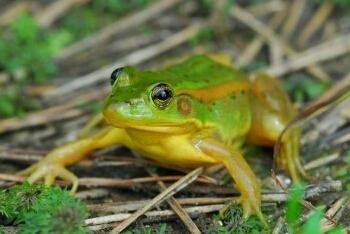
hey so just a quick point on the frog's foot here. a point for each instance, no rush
(249, 209)
(288, 156)
(49, 171)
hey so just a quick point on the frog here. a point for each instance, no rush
(196, 113)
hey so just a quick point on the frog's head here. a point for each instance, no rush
(148, 101)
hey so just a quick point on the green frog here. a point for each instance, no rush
(195, 113)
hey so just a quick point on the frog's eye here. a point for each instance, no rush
(115, 74)
(161, 95)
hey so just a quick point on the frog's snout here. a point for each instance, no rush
(126, 111)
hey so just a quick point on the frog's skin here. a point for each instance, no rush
(196, 113)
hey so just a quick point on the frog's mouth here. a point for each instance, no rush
(165, 127)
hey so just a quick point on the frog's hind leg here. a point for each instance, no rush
(272, 111)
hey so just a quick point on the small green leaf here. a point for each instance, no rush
(347, 157)
(293, 207)
(337, 230)
(162, 229)
(312, 224)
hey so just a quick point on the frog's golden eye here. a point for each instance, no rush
(115, 74)
(161, 95)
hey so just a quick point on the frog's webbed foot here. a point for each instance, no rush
(288, 155)
(49, 171)
(245, 179)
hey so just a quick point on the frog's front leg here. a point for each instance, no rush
(53, 165)
(236, 165)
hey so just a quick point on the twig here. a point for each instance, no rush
(336, 208)
(311, 191)
(303, 202)
(134, 58)
(255, 46)
(250, 21)
(276, 54)
(4, 77)
(202, 202)
(295, 13)
(176, 207)
(315, 190)
(339, 87)
(171, 190)
(192, 211)
(35, 120)
(135, 41)
(267, 7)
(19, 157)
(119, 207)
(48, 115)
(331, 121)
(13, 11)
(45, 17)
(278, 226)
(321, 161)
(318, 20)
(320, 53)
(119, 26)
(342, 137)
(92, 194)
(105, 182)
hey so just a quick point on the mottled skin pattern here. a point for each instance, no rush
(210, 110)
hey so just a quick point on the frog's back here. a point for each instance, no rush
(219, 93)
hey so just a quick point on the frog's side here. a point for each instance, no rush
(196, 113)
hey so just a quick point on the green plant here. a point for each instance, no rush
(234, 223)
(26, 54)
(118, 7)
(26, 51)
(205, 34)
(148, 230)
(293, 207)
(303, 88)
(42, 209)
(18, 200)
(341, 3)
(294, 211)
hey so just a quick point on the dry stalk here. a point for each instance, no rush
(47, 16)
(130, 21)
(253, 23)
(315, 23)
(171, 190)
(134, 58)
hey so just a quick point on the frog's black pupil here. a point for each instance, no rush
(163, 94)
(115, 74)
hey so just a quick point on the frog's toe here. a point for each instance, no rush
(250, 208)
(223, 210)
(28, 170)
(49, 172)
(65, 174)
